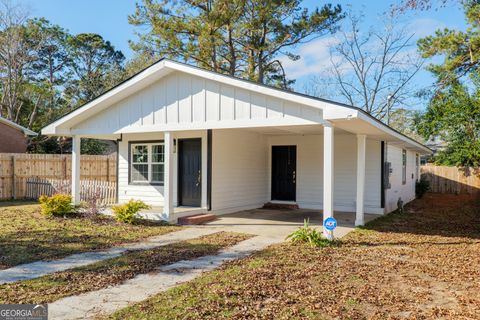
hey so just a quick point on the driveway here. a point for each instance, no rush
(279, 223)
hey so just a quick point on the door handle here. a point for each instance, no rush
(199, 178)
(294, 176)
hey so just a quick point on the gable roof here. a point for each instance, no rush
(332, 110)
(12, 124)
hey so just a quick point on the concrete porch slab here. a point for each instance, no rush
(279, 223)
(156, 213)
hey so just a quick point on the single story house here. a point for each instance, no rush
(192, 138)
(13, 137)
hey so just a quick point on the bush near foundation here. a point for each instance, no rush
(421, 187)
(58, 205)
(128, 212)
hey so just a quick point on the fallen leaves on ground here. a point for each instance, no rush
(26, 235)
(423, 264)
(113, 271)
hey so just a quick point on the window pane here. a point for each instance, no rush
(140, 154)
(157, 153)
(139, 172)
(157, 172)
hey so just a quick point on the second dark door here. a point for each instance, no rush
(189, 172)
(284, 166)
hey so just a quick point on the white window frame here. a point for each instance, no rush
(417, 167)
(149, 162)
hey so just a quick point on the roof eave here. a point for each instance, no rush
(12, 124)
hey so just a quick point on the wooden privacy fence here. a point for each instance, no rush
(16, 168)
(104, 192)
(445, 179)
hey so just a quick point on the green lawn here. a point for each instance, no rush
(113, 271)
(26, 235)
(422, 264)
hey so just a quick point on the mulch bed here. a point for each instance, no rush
(423, 264)
(113, 271)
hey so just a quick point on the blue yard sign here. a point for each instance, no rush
(330, 223)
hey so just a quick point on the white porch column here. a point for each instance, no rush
(328, 175)
(76, 141)
(361, 152)
(168, 176)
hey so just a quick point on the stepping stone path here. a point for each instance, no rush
(106, 301)
(40, 268)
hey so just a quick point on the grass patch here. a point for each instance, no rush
(26, 235)
(113, 271)
(402, 265)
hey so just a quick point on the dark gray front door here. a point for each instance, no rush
(189, 172)
(284, 166)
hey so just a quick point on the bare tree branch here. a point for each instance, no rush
(368, 67)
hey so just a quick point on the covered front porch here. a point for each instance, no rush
(318, 168)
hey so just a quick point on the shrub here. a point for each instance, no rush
(127, 212)
(309, 235)
(92, 205)
(57, 205)
(421, 187)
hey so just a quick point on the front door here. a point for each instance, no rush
(189, 172)
(284, 166)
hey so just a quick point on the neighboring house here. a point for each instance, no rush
(189, 137)
(436, 144)
(13, 137)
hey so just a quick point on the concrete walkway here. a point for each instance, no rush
(40, 268)
(106, 301)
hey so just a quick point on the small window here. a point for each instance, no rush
(147, 163)
(417, 167)
(404, 166)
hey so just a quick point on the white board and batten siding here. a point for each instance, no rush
(180, 99)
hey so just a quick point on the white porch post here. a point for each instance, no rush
(168, 178)
(76, 141)
(328, 175)
(361, 151)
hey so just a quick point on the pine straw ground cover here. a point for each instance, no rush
(423, 264)
(26, 235)
(113, 271)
